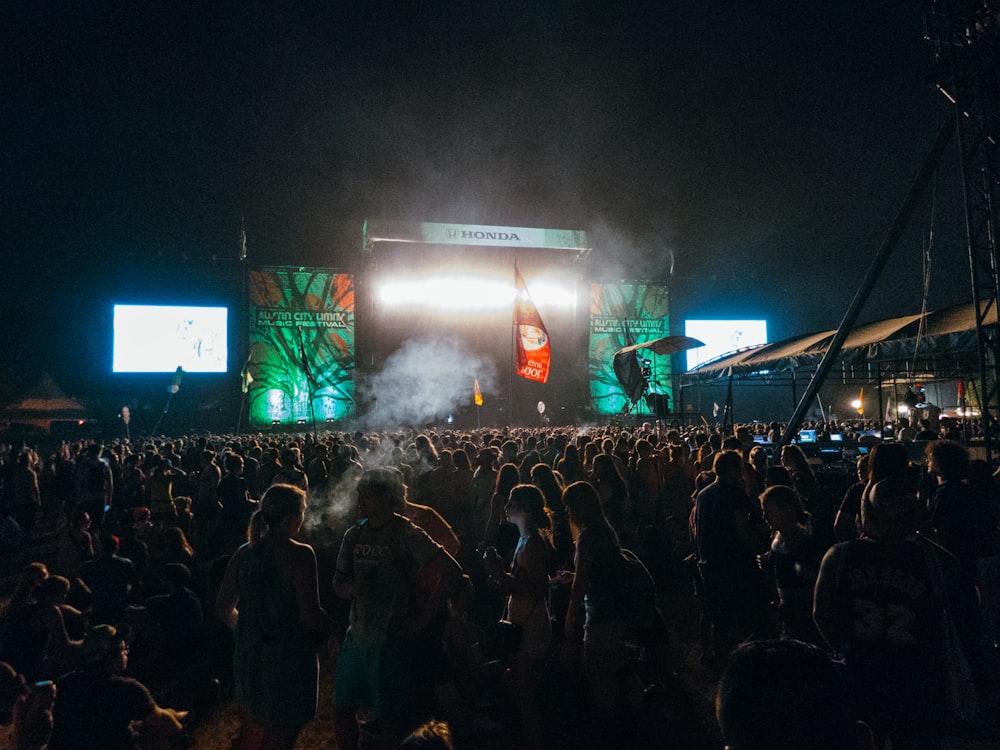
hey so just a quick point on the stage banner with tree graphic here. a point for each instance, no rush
(622, 314)
(301, 363)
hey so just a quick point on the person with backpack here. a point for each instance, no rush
(397, 579)
(595, 618)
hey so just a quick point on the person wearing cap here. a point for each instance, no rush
(875, 604)
(98, 706)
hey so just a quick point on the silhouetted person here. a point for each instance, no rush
(786, 695)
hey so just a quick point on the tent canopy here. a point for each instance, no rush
(951, 330)
(44, 404)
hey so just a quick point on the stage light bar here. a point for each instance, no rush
(453, 293)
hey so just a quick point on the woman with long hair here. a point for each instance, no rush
(530, 460)
(594, 617)
(706, 457)
(463, 478)
(526, 585)
(570, 466)
(175, 548)
(65, 626)
(498, 533)
(270, 597)
(814, 500)
(24, 592)
(794, 557)
(590, 451)
(559, 535)
(613, 491)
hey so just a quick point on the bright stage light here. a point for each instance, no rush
(453, 293)
(856, 403)
(552, 295)
(449, 293)
(903, 409)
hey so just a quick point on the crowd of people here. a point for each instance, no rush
(448, 573)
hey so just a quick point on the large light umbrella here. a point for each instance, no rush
(664, 345)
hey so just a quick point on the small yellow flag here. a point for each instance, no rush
(861, 402)
(479, 394)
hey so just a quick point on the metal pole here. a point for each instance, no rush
(881, 405)
(871, 278)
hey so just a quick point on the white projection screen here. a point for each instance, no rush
(722, 337)
(161, 338)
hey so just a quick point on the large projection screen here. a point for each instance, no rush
(161, 338)
(722, 337)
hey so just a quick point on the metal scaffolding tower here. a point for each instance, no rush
(965, 38)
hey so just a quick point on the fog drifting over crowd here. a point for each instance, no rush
(426, 380)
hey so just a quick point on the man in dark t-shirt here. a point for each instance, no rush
(877, 605)
(727, 542)
(111, 579)
(97, 705)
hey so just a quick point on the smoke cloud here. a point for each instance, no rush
(425, 381)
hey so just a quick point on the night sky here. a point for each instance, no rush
(767, 147)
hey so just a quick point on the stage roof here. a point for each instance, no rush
(575, 242)
(951, 331)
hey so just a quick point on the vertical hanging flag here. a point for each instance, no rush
(478, 397)
(243, 241)
(533, 352)
(861, 403)
(245, 377)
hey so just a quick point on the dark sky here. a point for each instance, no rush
(766, 146)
